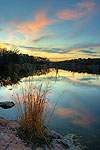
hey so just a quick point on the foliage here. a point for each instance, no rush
(14, 66)
(90, 65)
(14, 57)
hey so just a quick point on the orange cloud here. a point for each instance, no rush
(77, 117)
(28, 28)
(83, 47)
(40, 22)
(70, 14)
(82, 10)
(2, 46)
(6, 45)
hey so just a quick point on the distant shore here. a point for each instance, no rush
(90, 65)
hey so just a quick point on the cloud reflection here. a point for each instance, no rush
(75, 116)
(81, 83)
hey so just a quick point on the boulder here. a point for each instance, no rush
(55, 135)
(6, 105)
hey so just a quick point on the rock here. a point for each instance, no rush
(75, 148)
(63, 143)
(69, 142)
(6, 105)
(70, 139)
(39, 148)
(8, 138)
(55, 135)
(56, 145)
(10, 141)
(45, 147)
(1, 117)
(10, 89)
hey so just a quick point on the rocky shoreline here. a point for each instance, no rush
(9, 139)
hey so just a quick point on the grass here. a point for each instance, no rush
(33, 118)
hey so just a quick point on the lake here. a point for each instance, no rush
(78, 103)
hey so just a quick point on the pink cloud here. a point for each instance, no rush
(82, 10)
(84, 83)
(86, 5)
(70, 14)
(77, 117)
(41, 20)
(82, 48)
(28, 28)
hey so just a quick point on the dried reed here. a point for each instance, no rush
(32, 112)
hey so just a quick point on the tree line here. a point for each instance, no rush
(15, 57)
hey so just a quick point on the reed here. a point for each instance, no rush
(32, 110)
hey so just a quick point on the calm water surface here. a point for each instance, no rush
(78, 107)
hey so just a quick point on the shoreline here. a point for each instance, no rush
(9, 139)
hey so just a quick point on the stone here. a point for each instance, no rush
(39, 148)
(62, 142)
(55, 135)
(58, 147)
(10, 141)
(10, 89)
(6, 105)
(70, 139)
(45, 147)
(75, 148)
(1, 117)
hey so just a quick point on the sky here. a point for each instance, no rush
(55, 29)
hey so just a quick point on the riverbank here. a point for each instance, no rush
(8, 136)
(9, 139)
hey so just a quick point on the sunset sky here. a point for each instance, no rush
(56, 29)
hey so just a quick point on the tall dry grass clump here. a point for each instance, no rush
(32, 107)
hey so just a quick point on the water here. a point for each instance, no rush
(78, 106)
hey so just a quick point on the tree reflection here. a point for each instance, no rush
(14, 75)
(14, 66)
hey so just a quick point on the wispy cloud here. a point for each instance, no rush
(88, 47)
(42, 49)
(1, 29)
(81, 14)
(29, 28)
(41, 20)
(5, 45)
(85, 48)
(91, 49)
(48, 50)
(88, 5)
(84, 84)
(45, 37)
(83, 8)
(87, 51)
